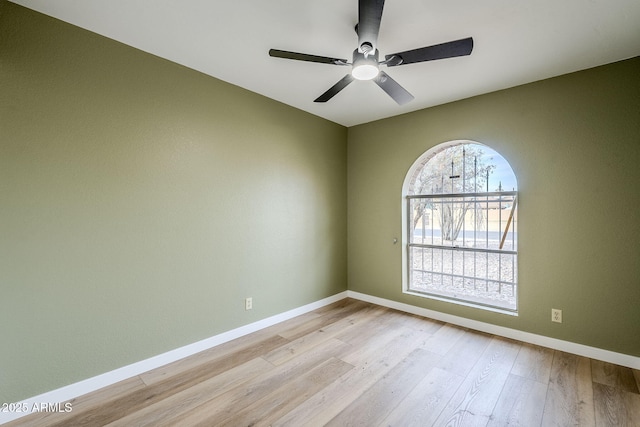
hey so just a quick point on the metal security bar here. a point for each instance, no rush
(464, 247)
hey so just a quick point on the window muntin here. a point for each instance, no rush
(461, 233)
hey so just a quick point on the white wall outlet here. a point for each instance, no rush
(248, 303)
(556, 315)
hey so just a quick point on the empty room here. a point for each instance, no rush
(355, 212)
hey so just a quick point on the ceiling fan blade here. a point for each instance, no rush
(439, 51)
(335, 89)
(369, 17)
(393, 89)
(306, 57)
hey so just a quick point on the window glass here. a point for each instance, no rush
(462, 216)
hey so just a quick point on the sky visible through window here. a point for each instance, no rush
(502, 173)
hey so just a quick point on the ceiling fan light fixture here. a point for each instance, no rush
(364, 72)
(365, 65)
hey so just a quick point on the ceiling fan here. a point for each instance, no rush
(365, 64)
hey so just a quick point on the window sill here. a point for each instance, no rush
(462, 302)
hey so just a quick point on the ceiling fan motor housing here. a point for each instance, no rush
(365, 65)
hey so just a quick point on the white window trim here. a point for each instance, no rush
(418, 163)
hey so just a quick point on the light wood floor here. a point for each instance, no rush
(354, 363)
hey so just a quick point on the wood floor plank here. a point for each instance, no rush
(614, 375)
(533, 362)
(422, 324)
(521, 403)
(173, 383)
(444, 339)
(345, 303)
(225, 406)
(85, 404)
(615, 406)
(328, 315)
(376, 324)
(222, 357)
(284, 327)
(187, 400)
(397, 342)
(283, 399)
(426, 401)
(371, 361)
(569, 398)
(463, 356)
(379, 400)
(473, 402)
(319, 336)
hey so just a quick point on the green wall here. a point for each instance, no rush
(141, 202)
(574, 144)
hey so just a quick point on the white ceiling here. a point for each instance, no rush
(515, 42)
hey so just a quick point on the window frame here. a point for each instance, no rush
(407, 230)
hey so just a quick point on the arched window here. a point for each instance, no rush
(461, 216)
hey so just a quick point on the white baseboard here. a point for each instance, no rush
(75, 390)
(72, 391)
(556, 344)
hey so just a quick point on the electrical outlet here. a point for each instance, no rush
(556, 315)
(248, 303)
